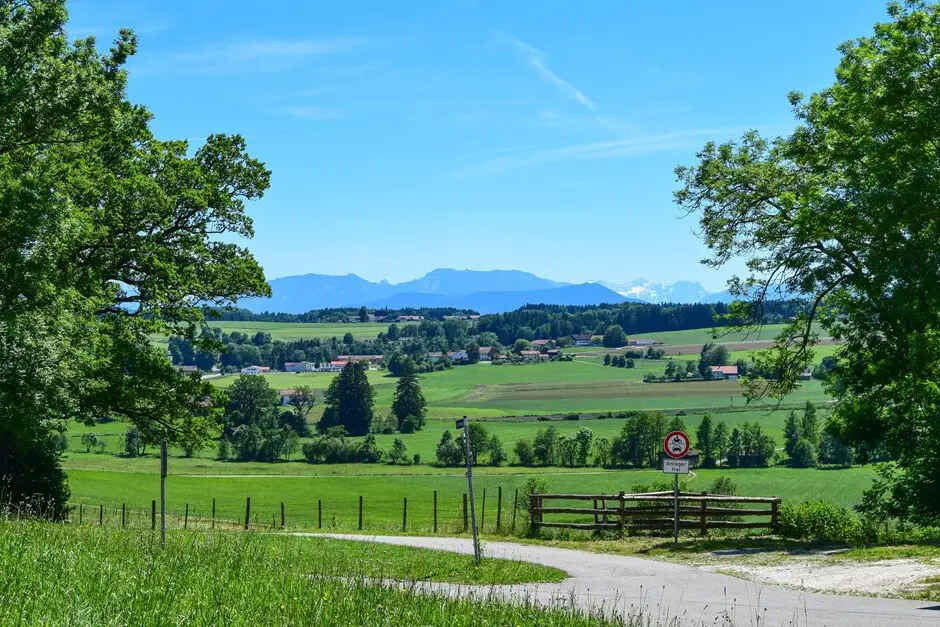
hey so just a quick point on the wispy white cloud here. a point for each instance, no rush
(316, 113)
(537, 60)
(256, 55)
(616, 149)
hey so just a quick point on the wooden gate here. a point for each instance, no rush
(654, 511)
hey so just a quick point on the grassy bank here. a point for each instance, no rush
(60, 574)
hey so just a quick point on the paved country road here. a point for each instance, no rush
(668, 593)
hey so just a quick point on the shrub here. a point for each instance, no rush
(534, 484)
(132, 442)
(89, 440)
(572, 416)
(804, 455)
(818, 521)
(417, 459)
(60, 442)
(723, 485)
(410, 424)
(524, 452)
(225, 449)
(385, 424)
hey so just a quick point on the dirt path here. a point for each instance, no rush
(668, 593)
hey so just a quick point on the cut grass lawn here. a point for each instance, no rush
(63, 574)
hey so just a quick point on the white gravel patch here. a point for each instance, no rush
(882, 578)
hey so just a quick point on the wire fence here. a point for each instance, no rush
(498, 511)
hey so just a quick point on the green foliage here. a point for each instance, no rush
(805, 455)
(397, 454)
(545, 446)
(449, 452)
(334, 448)
(721, 438)
(607, 359)
(409, 401)
(133, 442)
(497, 454)
(614, 337)
(525, 455)
(723, 485)
(818, 521)
(841, 210)
(749, 446)
(350, 399)
(705, 442)
(640, 441)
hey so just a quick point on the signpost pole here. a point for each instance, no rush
(675, 524)
(473, 516)
(163, 472)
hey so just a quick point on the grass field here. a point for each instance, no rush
(383, 493)
(65, 574)
(584, 386)
(291, 331)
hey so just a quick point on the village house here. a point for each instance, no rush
(725, 372)
(541, 344)
(255, 370)
(187, 369)
(333, 366)
(300, 366)
(581, 339)
(458, 356)
(486, 353)
(435, 357)
(533, 356)
(286, 396)
(409, 318)
(641, 342)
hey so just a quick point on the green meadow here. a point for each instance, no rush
(292, 331)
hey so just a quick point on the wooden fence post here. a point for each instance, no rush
(435, 511)
(466, 524)
(123, 515)
(319, 514)
(774, 511)
(153, 515)
(213, 513)
(81, 512)
(483, 511)
(515, 506)
(499, 507)
(703, 524)
(101, 514)
(622, 506)
(404, 514)
(186, 518)
(283, 521)
(247, 512)
(360, 512)
(533, 514)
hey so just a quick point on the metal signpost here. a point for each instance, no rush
(463, 424)
(163, 465)
(676, 445)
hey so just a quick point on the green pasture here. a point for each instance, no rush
(701, 336)
(583, 385)
(383, 495)
(292, 331)
(422, 443)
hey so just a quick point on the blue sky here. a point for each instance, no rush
(538, 135)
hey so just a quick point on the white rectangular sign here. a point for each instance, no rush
(676, 466)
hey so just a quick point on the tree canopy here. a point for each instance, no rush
(107, 235)
(844, 212)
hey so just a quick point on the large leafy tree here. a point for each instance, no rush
(107, 235)
(846, 211)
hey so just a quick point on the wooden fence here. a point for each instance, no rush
(654, 511)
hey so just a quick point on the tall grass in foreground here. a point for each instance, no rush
(60, 574)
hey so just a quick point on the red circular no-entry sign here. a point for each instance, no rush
(676, 445)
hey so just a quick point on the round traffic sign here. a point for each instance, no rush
(676, 445)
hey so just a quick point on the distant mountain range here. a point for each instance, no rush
(678, 292)
(489, 291)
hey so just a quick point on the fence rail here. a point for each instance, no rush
(654, 511)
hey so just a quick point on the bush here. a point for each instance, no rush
(534, 484)
(818, 521)
(723, 485)
(524, 453)
(417, 459)
(804, 455)
(572, 416)
(410, 424)
(385, 424)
